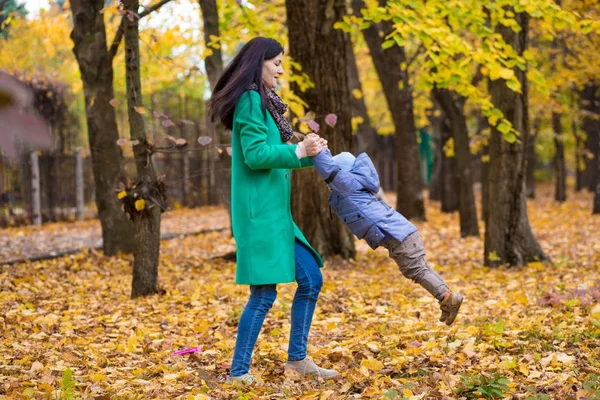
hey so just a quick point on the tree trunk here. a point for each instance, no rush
(398, 94)
(483, 124)
(596, 209)
(435, 184)
(210, 19)
(311, 22)
(95, 65)
(366, 136)
(531, 160)
(590, 104)
(214, 69)
(578, 158)
(449, 178)
(146, 221)
(454, 111)
(560, 169)
(590, 99)
(508, 236)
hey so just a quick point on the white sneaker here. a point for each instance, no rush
(245, 380)
(308, 366)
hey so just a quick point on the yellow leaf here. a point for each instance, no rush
(140, 110)
(122, 195)
(372, 364)
(407, 393)
(97, 377)
(140, 204)
(170, 377)
(325, 395)
(469, 348)
(595, 312)
(506, 73)
(523, 369)
(472, 330)
(357, 94)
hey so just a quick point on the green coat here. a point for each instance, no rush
(263, 227)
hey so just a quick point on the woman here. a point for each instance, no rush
(270, 247)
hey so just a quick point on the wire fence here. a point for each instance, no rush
(193, 179)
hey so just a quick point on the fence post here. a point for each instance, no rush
(36, 201)
(186, 177)
(79, 184)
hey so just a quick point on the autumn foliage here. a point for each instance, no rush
(70, 329)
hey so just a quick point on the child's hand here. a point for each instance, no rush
(321, 140)
(312, 145)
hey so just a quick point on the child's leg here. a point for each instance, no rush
(410, 257)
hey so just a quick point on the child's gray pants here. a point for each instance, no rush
(410, 257)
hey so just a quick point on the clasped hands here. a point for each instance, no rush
(313, 144)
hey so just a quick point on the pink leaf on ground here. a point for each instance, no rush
(186, 351)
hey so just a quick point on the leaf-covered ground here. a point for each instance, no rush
(27, 242)
(69, 329)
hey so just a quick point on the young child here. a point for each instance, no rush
(354, 184)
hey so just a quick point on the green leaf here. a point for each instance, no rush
(503, 128)
(67, 378)
(387, 44)
(514, 85)
(510, 137)
(400, 41)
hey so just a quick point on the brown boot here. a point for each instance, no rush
(450, 306)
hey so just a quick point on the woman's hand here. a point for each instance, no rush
(313, 144)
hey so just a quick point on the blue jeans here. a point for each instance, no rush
(310, 281)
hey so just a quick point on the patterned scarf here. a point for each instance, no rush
(277, 108)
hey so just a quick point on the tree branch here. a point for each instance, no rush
(114, 47)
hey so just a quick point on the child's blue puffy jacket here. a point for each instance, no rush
(353, 199)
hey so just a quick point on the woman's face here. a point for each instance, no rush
(271, 71)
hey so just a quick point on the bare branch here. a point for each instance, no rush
(114, 47)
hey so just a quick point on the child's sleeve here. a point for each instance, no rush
(251, 126)
(338, 180)
(324, 164)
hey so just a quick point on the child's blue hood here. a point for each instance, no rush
(364, 171)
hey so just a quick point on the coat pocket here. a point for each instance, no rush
(357, 222)
(374, 236)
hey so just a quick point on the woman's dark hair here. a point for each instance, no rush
(238, 77)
